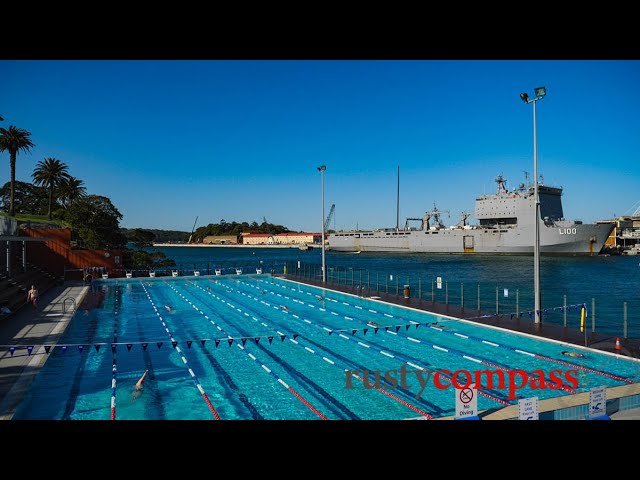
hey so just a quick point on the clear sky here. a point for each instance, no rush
(239, 140)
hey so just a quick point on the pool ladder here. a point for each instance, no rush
(64, 304)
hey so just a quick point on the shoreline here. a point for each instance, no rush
(226, 246)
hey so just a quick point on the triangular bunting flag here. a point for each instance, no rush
(257, 339)
(144, 346)
(189, 342)
(230, 340)
(538, 312)
(29, 349)
(202, 342)
(97, 347)
(330, 332)
(80, 348)
(175, 344)
(530, 315)
(113, 347)
(417, 325)
(159, 344)
(407, 326)
(295, 335)
(270, 338)
(47, 348)
(129, 345)
(386, 329)
(375, 330)
(64, 348)
(353, 332)
(282, 337)
(364, 331)
(12, 349)
(243, 340)
(217, 342)
(398, 328)
(511, 316)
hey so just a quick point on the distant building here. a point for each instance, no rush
(257, 239)
(626, 232)
(290, 238)
(220, 240)
(298, 238)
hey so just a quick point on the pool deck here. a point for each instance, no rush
(598, 341)
(46, 325)
(33, 327)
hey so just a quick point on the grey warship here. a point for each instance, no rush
(505, 226)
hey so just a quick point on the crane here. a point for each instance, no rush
(192, 230)
(328, 220)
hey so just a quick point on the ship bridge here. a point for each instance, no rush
(517, 206)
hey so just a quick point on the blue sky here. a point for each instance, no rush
(169, 140)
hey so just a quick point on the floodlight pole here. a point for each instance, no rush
(322, 169)
(540, 94)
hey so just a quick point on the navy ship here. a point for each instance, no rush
(505, 226)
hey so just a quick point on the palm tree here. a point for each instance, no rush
(50, 173)
(14, 140)
(71, 188)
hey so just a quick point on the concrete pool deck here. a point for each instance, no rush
(33, 327)
(46, 325)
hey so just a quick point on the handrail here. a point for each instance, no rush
(64, 304)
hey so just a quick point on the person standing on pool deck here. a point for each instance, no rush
(32, 296)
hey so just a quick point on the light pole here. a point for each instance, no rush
(321, 169)
(540, 93)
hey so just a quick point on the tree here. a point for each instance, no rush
(144, 259)
(142, 237)
(28, 199)
(69, 189)
(96, 222)
(50, 173)
(14, 140)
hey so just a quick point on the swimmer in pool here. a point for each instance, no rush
(284, 307)
(319, 298)
(169, 308)
(573, 354)
(137, 389)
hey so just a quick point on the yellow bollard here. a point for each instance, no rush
(285, 268)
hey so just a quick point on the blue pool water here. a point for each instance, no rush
(258, 347)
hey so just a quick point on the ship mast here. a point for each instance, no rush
(398, 203)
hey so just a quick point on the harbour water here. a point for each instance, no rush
(504, 282)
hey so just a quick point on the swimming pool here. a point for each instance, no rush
(258, 347)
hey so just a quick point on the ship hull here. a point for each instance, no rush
(575, 239)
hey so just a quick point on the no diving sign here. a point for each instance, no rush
(598, 402)
(466, 403)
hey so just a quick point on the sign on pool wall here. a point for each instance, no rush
(528, 408)
(597, 402)
(466, 402)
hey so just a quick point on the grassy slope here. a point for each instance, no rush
(38, 219)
